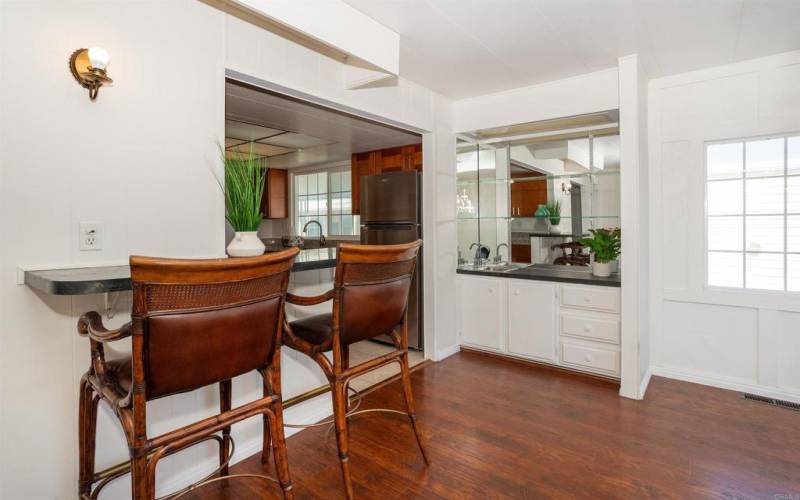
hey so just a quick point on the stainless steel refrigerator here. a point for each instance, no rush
(391, 213)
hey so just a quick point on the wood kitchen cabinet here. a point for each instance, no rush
(275, 200)
(527, 195)
(520, 252)
(395, 159)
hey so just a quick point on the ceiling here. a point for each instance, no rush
(293, 133)
(464, 48)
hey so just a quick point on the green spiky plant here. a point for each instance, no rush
(605, 244)
(554, 209)
(245, 176)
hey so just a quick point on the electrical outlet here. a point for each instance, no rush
(90, 236)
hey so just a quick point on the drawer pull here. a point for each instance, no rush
(516, 292)
(586, 329)
(491, 290)
(587, 299)
(588, 358)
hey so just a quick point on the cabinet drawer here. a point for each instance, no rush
(595, 298)
(590, 358)
(604, 330)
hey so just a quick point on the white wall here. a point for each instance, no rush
(633, 223)
(579, 95)
(734, 339)
(139, 160)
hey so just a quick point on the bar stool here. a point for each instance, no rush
(194, 323)
(370, 298)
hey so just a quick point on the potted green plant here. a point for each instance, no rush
(554, 211)
(605, 244)
(244, 186)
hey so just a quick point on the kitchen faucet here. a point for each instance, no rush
(321, 236)
(478, 258)
(497, 258)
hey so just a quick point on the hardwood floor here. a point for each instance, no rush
(500, 429)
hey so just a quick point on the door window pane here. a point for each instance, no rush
(764, 157)
(725, 269)
(725, 233)
(793, 195)
(764, 271)
(793, 273)
(725, 198)
(348, 225)
(765, 196)
(793, 150)
(725, 161)
(336, 224)
(765, 233)
(793, 233)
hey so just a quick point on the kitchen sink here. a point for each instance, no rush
(500, 267)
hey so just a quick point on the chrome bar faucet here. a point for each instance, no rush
(478, 257)
(497, 257)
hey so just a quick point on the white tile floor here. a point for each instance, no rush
(368, 349)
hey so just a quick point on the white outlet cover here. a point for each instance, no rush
(90, 236)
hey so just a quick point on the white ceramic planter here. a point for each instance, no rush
(601, 269)
(246, 244)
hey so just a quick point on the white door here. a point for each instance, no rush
(481, 316)
(531, 319)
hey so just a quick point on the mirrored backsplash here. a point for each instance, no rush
(530, 199)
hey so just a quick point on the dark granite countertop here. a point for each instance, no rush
(86, 280)
(545, 272)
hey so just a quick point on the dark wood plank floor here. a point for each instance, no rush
(500, 429)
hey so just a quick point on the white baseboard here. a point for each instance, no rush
(308, 412)
(447, 352)
(725, 383)
(645, 382)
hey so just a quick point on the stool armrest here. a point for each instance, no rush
(91, 325)
(310, 301)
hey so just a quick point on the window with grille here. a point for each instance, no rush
(325, 196)
(753, 214)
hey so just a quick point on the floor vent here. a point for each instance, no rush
(774, 402)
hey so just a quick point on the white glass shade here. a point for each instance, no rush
(98, 58)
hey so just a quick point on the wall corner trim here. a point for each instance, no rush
(442, 354)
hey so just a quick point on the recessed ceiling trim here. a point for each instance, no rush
(246, 80)
(550, 133)
(322, 32)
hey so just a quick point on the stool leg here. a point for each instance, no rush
(224, 406)
(267, 433)
(340, 421)
(409, 397)
(279, 451)
(143, 489)
(345, 366)
(87, 430)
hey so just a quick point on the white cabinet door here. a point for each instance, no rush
(531, 319)
(481, 316)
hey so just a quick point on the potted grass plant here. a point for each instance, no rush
(554, 211)
(244, 186)
(605, 245)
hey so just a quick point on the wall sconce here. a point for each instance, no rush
(88, 66)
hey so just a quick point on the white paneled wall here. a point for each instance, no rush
(139, 160)
(741, 340)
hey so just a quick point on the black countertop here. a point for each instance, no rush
(86, 280)
(545, 272)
